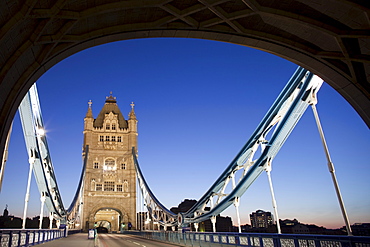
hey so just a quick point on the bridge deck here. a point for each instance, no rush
(75, 240)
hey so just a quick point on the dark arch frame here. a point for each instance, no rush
(34, 36)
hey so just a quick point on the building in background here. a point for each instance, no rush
(223, 224)
(261, 219)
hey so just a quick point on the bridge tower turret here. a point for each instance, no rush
(132, 125)
(109, 197)
(88, 124)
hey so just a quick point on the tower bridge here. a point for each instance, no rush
(109, 193)
(106, 194)
(35, 35)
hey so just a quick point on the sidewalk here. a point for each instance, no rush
(74, 240)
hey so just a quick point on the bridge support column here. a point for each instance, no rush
(274, 205)
(330, 165)
(196, 226)
(31, 160)
(51, 217)
(213, 220)
(236, 204)
(42, 198)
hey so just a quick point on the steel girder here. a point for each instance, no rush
(40, 158)
(38, 153)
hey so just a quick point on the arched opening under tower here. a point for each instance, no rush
(108, 220)
(103, 226)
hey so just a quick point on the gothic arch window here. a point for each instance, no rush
(109, 165)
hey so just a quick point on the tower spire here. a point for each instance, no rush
(132, 112)
(89, 110)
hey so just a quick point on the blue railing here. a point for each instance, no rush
(254, 239)
(28, 237)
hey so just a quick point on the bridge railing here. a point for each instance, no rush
(28, 237)
(254, 239)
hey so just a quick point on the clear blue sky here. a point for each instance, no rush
(197, 103)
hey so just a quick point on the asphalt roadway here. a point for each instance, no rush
(105, 240)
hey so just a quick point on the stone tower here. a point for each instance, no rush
(109, 196)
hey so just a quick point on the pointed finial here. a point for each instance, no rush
(89, 103)
(132, 105)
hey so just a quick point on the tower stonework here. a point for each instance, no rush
(109, 195)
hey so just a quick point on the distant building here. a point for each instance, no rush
(223, 224)
(361, 229)
(261, 219)
(295, 227)
(183, 206)
(13, 222)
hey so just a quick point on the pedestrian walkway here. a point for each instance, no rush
(74, 240)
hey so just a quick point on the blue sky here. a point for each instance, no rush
(197, 103)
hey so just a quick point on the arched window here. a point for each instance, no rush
(109, 165)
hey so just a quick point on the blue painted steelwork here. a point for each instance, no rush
(244, 169)
(29, 237)
(38, 151)
(75, 209)
(253, 239)
(39, 155)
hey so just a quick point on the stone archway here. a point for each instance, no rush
(34, 36)
(103, 226)
(102, 217)
(108, 218)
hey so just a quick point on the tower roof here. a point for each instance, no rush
(110, 106)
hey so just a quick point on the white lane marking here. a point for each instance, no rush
(136, 243)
